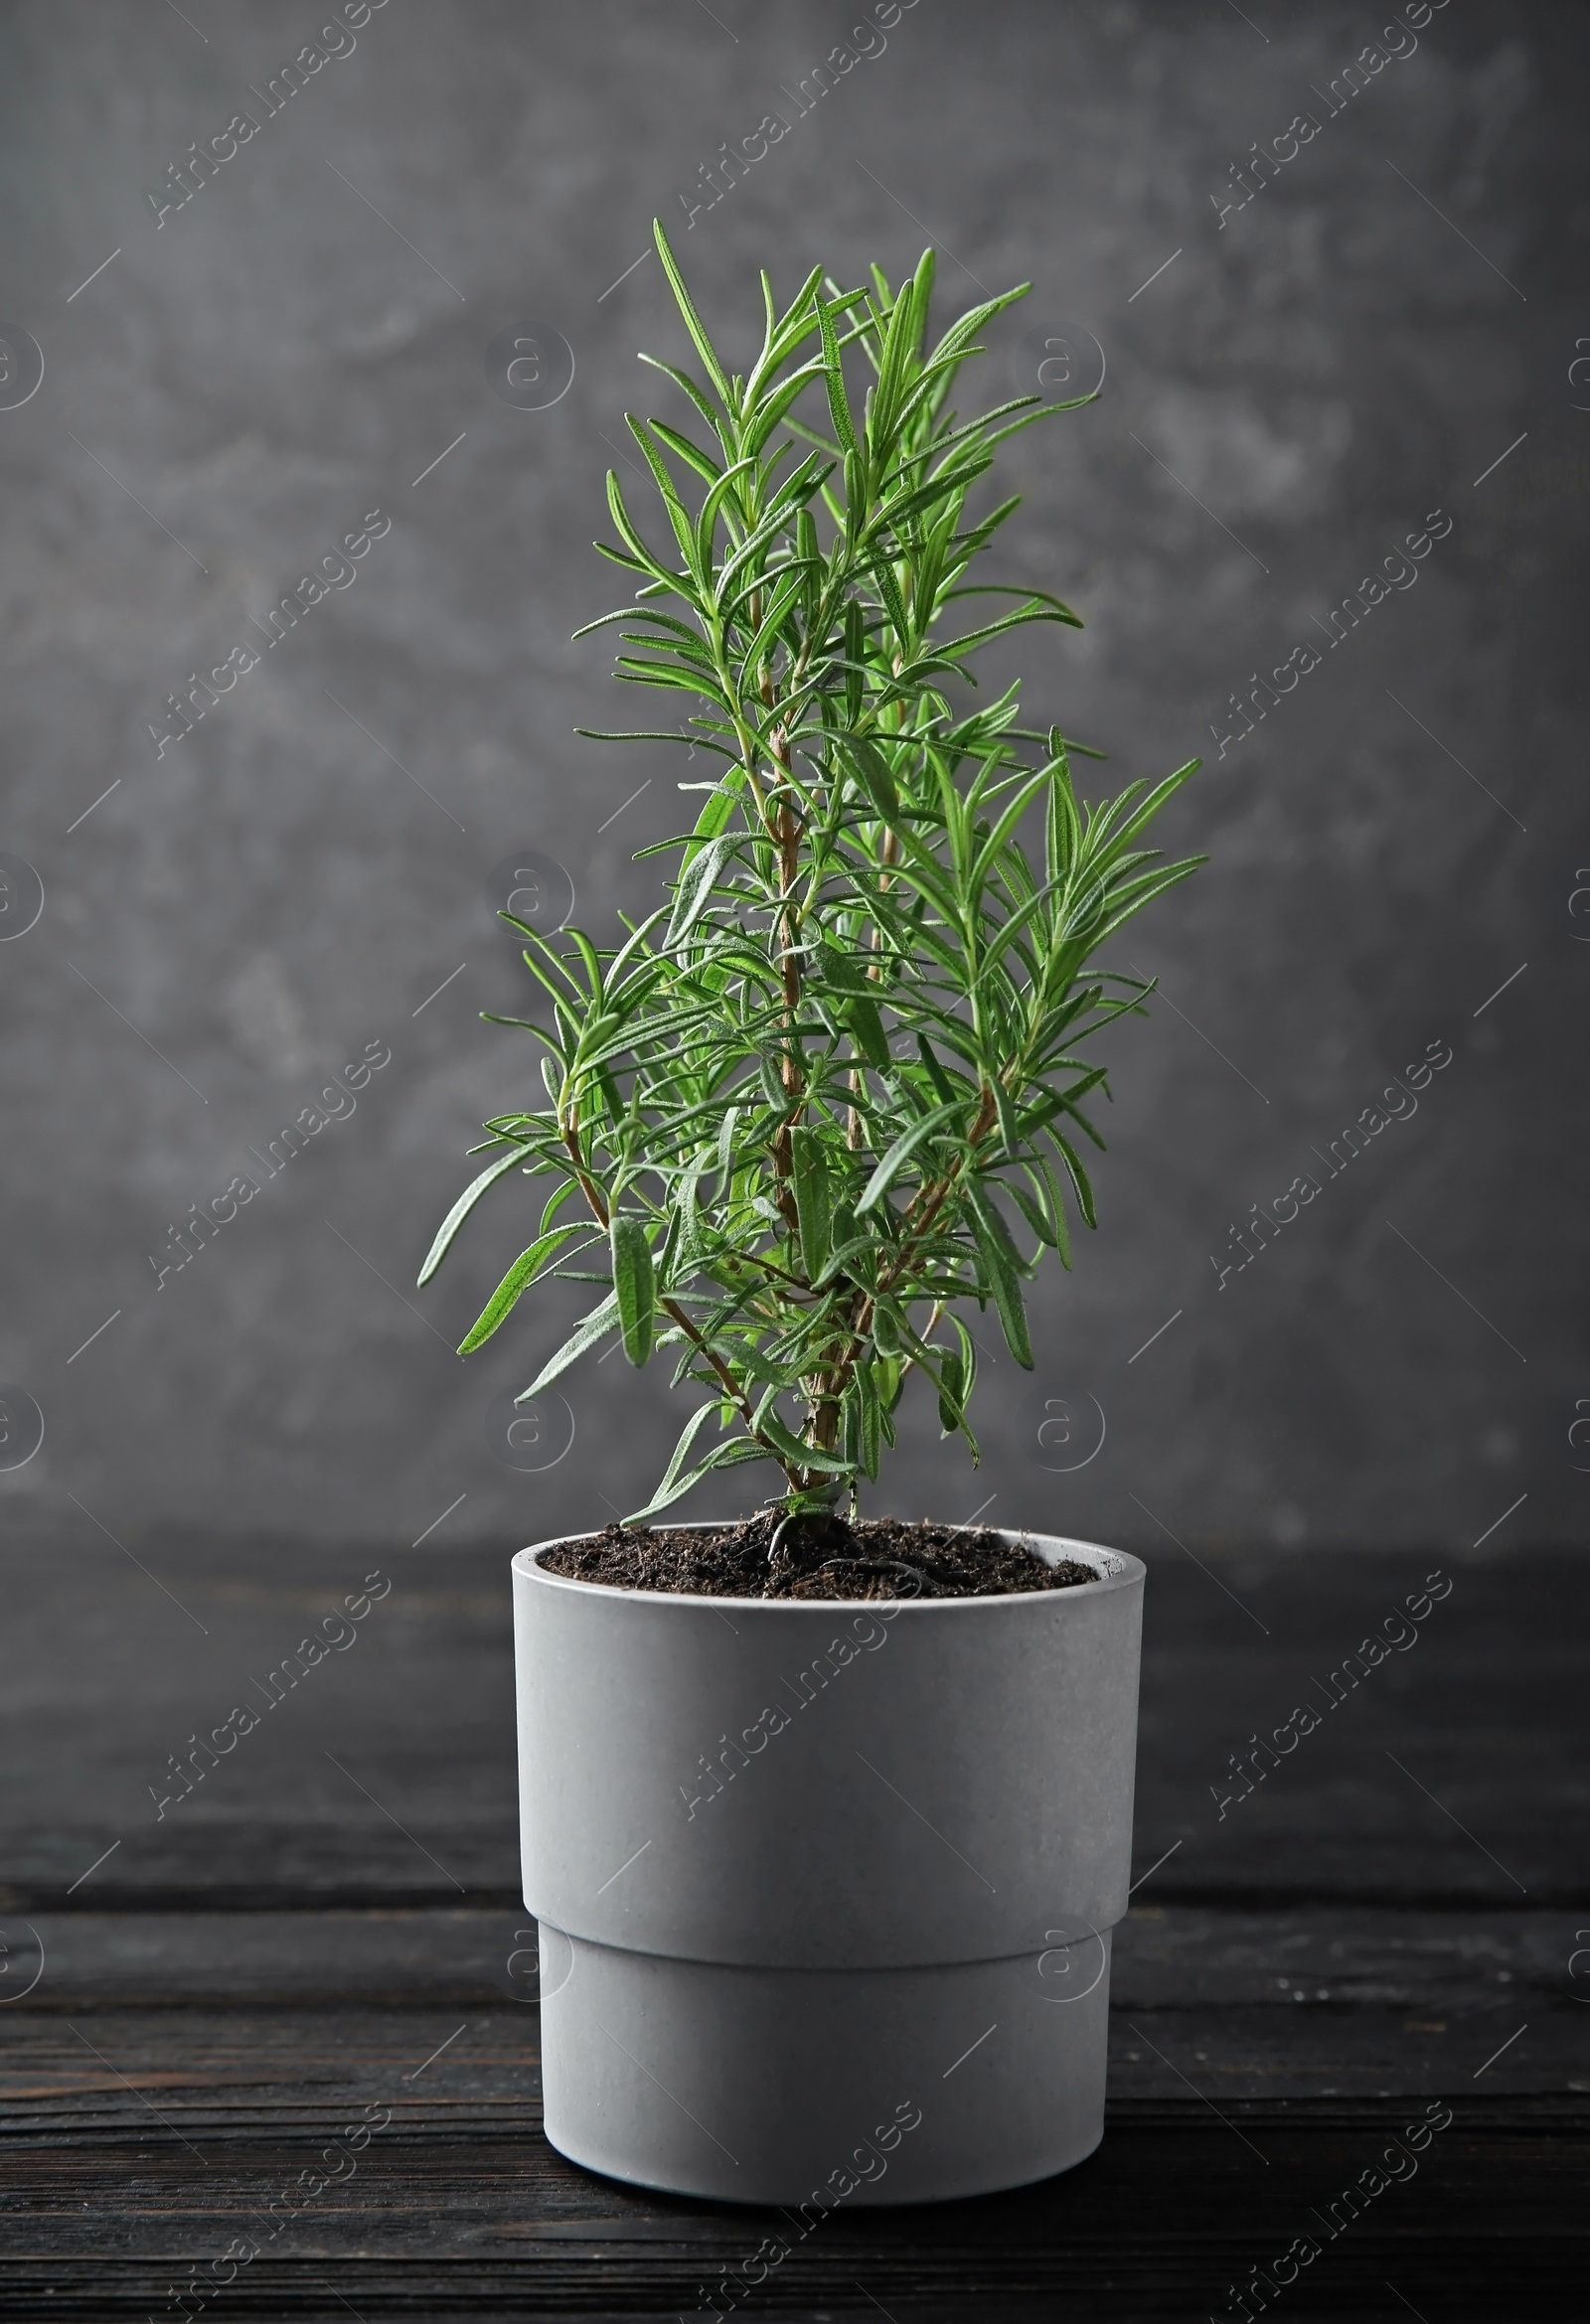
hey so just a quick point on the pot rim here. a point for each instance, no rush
(1119, 1570)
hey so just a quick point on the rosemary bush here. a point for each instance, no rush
(800, 1114)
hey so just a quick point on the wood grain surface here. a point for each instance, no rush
(329, 1925)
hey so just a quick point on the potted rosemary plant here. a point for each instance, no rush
(826, 1875)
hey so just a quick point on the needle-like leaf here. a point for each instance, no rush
(785, 1108)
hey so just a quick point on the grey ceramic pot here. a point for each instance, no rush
(826, 1891)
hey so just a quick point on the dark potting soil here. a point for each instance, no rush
(877, 1557)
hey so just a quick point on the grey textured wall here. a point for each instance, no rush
(1294, 385)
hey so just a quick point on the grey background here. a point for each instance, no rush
(1291, 395)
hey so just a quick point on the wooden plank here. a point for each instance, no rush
(1481, 1711)
(109, 1667)
(143, 2136)
(1309, 2003)
(104, 1678)
(1293, 1979)
(455, 2214)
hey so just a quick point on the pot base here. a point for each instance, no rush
(817, 2088)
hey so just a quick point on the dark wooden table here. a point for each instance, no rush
(327, 1933)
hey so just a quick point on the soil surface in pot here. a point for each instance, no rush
(877, 1557)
